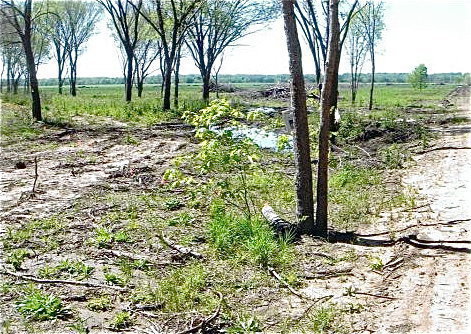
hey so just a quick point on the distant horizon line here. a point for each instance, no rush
(253, 74)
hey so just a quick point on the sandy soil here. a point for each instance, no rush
(435, 292)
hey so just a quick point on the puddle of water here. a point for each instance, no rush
(262, 138)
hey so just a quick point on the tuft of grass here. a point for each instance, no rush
(323, 320)
(394, 156)
(248, 239)
(173, 204)
(104, 237)
(36, 305)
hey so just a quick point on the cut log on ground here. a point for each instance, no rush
(280, 225)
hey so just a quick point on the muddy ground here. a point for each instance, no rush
(420, 285)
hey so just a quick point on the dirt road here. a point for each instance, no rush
(435, 291)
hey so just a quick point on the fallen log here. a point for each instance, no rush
(280, 225)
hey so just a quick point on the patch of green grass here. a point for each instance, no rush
(104, 237)
(181, 219)
(356, 194)
(102, 303)
(180, 290)
(173, 204)
(394, 156)
(249, 240)
(67, 268)
(37, 305)
(324, 320)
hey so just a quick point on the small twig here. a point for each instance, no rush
(180, 249)
(281, 280)
(373, 295)
(47, 281)
(35, 173)
(363, 150)
(206, 321)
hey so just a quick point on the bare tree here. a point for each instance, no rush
(21, 17)
(356, 49)
(371, 18)
(80, 18)
(219, 24)
(54, 28)
(304, 191)
(318, 38)
(125, 20)
(329, 90)
(171, 20)
(148, 50)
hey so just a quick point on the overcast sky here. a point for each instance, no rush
(436, 33)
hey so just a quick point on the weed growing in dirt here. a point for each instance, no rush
(37, 305)
(17, 256)
(121, 320)
(324, 319)
(395, 156)
(102, 303)
(104, 237)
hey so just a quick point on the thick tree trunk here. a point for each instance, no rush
(304, 192)
(140, 87)
(206, 82)
(370, 104)
(329, 92)
(128, 84)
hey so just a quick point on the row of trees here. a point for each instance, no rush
(145, 30)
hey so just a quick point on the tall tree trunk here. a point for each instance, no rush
(206, 82)
(329, 92)
(167, 84)
(177, 79)
(8, 75)
(140, 87)
(31, 66)
(372, 87)
(304, 191)
(128, 84)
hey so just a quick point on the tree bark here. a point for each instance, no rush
(30, 63)
(304, 191)
(329, 92)
(130, 56)
(373, 68)
(177, 79)
(206, 82)
(167, 84)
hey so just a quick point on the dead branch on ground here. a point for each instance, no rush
(444, 148)
(206, 321)
(35, 174)
(181, 249)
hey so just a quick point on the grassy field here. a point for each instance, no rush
(135, 181)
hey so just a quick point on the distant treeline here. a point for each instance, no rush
(436, 78)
